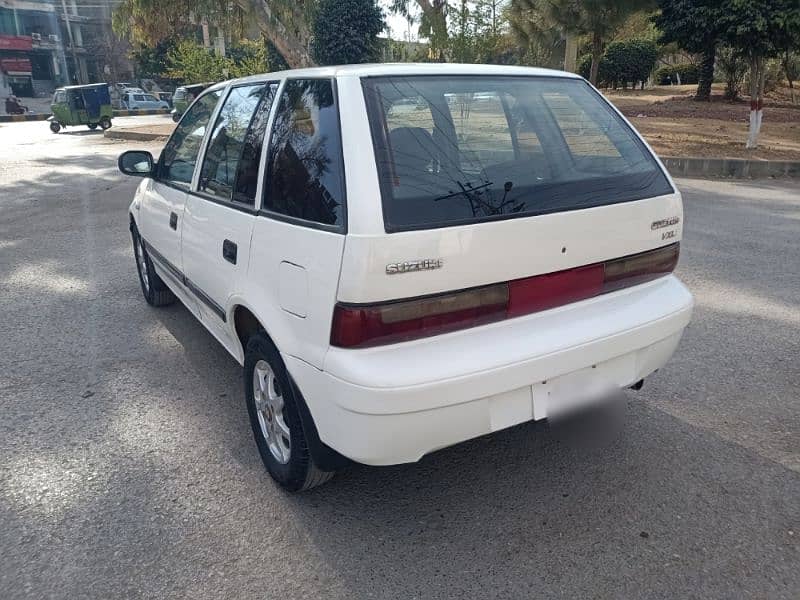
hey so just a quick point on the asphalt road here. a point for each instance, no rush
(127, 467)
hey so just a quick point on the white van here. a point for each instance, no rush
(404, 257)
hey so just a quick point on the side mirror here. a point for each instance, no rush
(136, 162)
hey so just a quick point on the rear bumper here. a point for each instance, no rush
(394, 404)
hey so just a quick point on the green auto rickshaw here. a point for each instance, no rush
(81, 105)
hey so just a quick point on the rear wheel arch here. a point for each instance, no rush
(245, 324)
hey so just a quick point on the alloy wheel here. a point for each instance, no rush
(141, 263)
(269, 408)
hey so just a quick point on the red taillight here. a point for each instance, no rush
(356, 326)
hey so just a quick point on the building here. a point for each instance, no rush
(48, 43)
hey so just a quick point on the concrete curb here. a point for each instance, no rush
(735, 168)
(15, 118)
(143, 111)
(138, 136)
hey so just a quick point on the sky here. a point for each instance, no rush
(398, 25)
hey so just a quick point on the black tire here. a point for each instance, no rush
(176, 117)
(155, 291)
(55, 126)
(105, 123)
(298, 472)
(92, 126)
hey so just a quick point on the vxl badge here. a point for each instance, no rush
(408, 266)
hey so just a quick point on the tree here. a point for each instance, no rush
(790, 63)
(695, 26)
(432, 22)
(490, 24)
(248, 57)
(540, 40)
(346, 31)
(150, 22)
(733, 68)
(285, 23)
(189, 62)
(759, 30)
(152, 61)
(596, 19)
(476, 29)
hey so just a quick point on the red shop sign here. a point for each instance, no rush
(16, 42)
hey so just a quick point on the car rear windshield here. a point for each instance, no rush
(459, 149)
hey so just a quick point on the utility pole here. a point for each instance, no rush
(78, 77)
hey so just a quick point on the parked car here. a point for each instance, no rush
(166, 97)
(395, 282)
(184, 96)
(137, 101)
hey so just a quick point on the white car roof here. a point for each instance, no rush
(377, 69)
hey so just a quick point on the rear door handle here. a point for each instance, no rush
(229, 251)
(173, 220)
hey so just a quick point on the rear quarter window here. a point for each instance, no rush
(305, 174)
(464, 149)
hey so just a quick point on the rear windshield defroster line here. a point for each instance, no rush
(455, 150)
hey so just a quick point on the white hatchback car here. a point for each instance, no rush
(142, 100)
(405, 257)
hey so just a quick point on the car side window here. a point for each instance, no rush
(305, 170)
(225, 146)
(247, 171)
(180, 154)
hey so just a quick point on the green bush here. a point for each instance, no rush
(628, 61)
(687, 71)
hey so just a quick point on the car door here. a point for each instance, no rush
(164, 196)
(220, 209)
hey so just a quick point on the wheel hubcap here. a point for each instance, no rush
(269, 407)
(142, 265)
